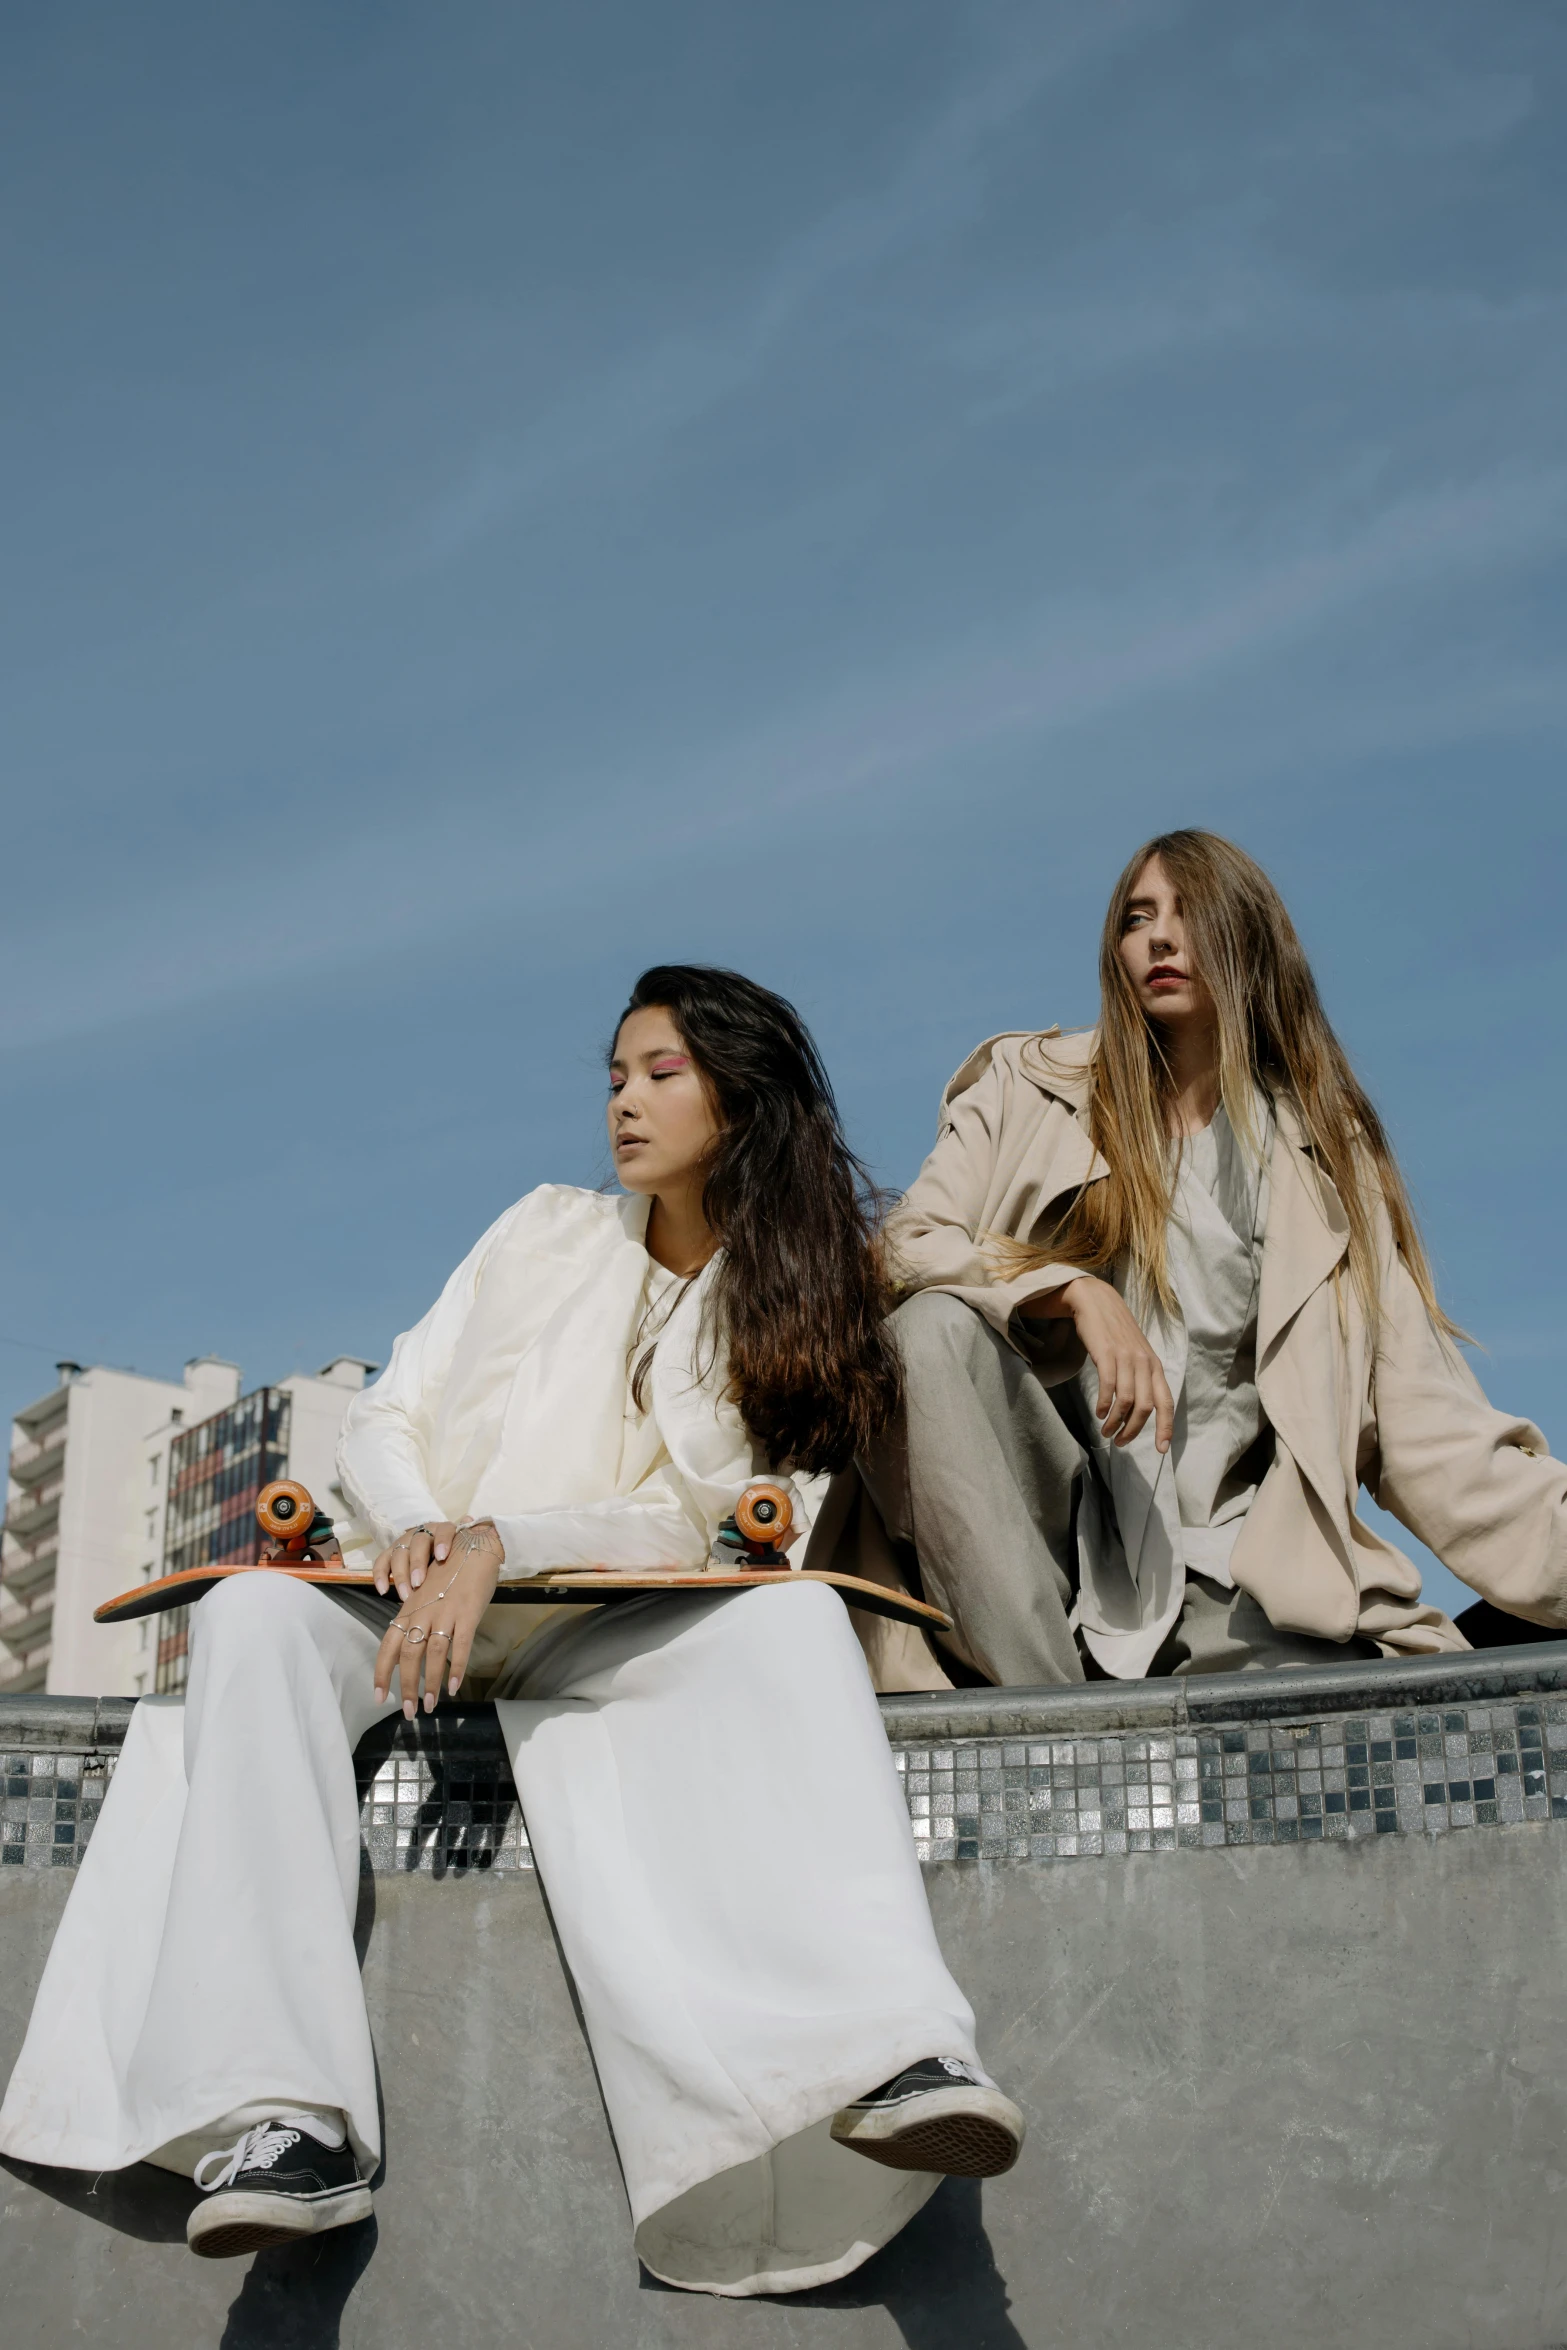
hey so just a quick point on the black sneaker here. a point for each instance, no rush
(276, 2184)
(939, 2115)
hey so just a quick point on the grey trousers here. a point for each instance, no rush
(981, 1480)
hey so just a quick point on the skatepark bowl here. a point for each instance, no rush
(1273, 1963)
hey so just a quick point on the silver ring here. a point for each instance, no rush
(414, 1633)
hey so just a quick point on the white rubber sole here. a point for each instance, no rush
(965, 2133)
(246, 2220)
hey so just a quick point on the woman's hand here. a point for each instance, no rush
(433, 1633)
(1132, 1384)
(415, 1551)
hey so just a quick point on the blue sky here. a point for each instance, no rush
(498, 496)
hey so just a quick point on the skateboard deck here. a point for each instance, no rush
(578, 1587)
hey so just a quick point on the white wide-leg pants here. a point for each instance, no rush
(716, 1818)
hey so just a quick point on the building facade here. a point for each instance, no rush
(114, 1479)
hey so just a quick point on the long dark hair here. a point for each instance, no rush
(800, 1295)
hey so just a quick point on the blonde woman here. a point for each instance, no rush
(1172, 1312)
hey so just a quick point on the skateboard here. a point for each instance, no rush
(299, 1534)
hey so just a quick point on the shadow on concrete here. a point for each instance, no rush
(938, 2280)
(290, 2299)
(142, 2201)
(293, 2298)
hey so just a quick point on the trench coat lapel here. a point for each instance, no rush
(1306, 1241)
(1307, 1235)
(1073, 1158)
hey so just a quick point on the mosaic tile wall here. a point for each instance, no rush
(465, 1817)
(50, 1803)
(1356, 1775)
(1399, 1774)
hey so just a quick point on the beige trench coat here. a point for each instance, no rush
(1396, 1410)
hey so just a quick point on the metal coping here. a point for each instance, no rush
(1289, 1694)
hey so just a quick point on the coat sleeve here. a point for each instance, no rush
(1476, 1485)
(383, 1451)
(936, 1237)
(933, 1233)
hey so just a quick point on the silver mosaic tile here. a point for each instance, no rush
(1422, 1773)
(1419, 1773)
(435, 1819)
(48, 1804)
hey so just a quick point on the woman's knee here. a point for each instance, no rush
(933, 1328)
(251, 1607)
(803, 1622)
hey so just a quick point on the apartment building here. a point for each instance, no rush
(211, 1475)
(115, 1478)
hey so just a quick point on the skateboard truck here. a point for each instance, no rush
(762, 1518)
(286, 1513)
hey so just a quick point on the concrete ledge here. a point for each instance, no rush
(1293, 1694)
(76, 1724)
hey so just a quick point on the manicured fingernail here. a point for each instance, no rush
(441, 1550)
(408, 1709)
(418, 1577)
(453, 1685)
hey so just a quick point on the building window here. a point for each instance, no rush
(216, 1470)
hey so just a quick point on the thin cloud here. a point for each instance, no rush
(1068, 666)
(656, 391)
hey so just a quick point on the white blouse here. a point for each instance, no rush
(512, 1400)
(1148, 1519)
(1222, 1447)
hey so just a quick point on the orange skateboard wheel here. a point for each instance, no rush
(285, 1510)
(764, 1514)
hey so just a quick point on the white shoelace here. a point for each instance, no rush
(257, 2149)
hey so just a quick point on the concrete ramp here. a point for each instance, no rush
(1283, 2090)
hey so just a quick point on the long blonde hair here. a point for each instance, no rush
(1273, 1034)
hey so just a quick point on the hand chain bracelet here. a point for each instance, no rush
(417, 1634)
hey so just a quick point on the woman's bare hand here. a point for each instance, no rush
(432, 1637)
(411, 1556)
(1132, 1384)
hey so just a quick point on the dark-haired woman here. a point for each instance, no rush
(707, 1787)
(1172, 1313)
